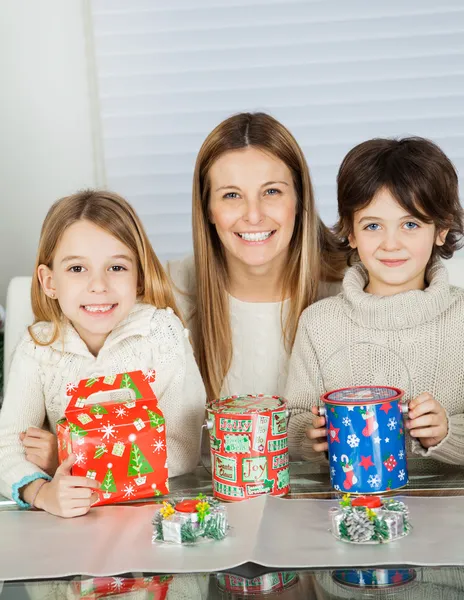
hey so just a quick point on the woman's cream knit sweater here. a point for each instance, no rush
(419, 331)
(148, 338)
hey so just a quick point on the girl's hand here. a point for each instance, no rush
(41, 448)
(427, 420)
(317, 433)
(66, 495)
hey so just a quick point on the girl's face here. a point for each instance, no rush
(394, 246)
(94, 279)
(253, 207)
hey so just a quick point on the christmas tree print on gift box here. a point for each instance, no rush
(118, 440)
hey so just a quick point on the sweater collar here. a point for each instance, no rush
(137, 322)
(401, 311)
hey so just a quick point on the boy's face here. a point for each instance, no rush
(394, 246)
(94, 279)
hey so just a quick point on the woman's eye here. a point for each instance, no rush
(76, 269)
(117, 268)
(411, 225)
(272, 191)
(373, 227)
(231, 195)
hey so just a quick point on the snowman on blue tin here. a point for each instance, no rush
(366, 437)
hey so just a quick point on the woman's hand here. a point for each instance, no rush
(66, 495)
(41, 449)
(317, 433)
(427, 420)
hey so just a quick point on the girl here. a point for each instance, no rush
(399, 213)
(262, 255)
(102, 306)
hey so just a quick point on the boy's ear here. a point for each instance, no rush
(352, 241)
(441, 237)
(45, 275)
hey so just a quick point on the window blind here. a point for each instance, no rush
(335, 73)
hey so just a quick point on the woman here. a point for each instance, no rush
(262, 255)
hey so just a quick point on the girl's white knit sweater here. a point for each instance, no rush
(423, 330)
(149, 338)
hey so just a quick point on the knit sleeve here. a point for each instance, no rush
(179, 389)
(23, 407)
(304, 388)
(451, 449)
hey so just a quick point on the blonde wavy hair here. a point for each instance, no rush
(116, 216)
(313, 251)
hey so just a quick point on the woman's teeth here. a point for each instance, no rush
(255, 237)
(102, 308)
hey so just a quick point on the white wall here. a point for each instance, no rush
(46, 133)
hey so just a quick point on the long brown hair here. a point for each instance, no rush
(116, 216)
(313, 253)
(419, 176)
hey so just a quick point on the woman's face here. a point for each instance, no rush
(253, 207)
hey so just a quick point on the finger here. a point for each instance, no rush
(318, 422)
(419, 400)
(316, 434)
(80, 482)
(38, 433)
(22, 435)
(320, 446)
(32, 442)
(36, 459)
(428, 432)
(428, 407)
(80, 493)
(428, 420)
(315, 410)
(70, 513)
(65, 468)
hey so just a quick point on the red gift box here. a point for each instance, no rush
(103, 587)
(116, 429)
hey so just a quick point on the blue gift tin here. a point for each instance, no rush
(374, 579)
(365, 431)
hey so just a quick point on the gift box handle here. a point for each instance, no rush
(121, 395)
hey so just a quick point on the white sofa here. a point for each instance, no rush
(19, 313)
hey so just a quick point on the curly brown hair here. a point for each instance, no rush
(419, 176)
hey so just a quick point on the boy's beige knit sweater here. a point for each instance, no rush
(149, 338)
(421, 329)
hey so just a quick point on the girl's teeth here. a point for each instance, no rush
(255, 237)
(99, 308)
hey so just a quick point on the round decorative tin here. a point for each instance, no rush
(249, 446)
(265, 584)
(374, 579)
(365, 430)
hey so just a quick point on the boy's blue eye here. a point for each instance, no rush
(372, 227)
(411, 225)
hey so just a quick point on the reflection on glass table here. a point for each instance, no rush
(251, 581)
(447, 481)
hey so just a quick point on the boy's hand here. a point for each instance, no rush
(66, 495)
(427, 420)
(41, 448)
(317, 433)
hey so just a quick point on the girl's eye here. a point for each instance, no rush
(231, 195)
(272, 192)
(76, 269)
(372, 227)
(117, 268)
(411, 225)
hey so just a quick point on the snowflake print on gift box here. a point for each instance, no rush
(70, 388)
(108, 431)
(158, 446)
(352, 440)
(120, 412)
(117, 584)
(80, 459)
(332, 471)
(346, 421)
(129, 490)
(374, 481)
(401, 454)
(392, 423)
(401, 475)
(337, 487)
(149, 375)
